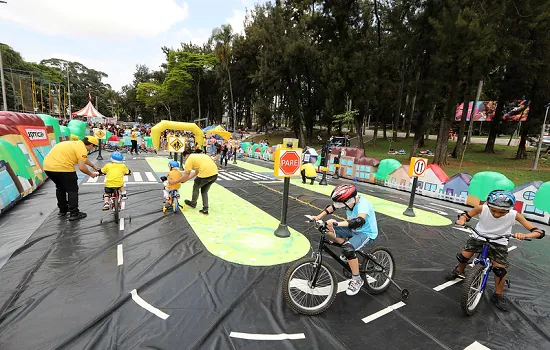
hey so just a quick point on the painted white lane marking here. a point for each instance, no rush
(382, 312)
(458, 211)
(252, 336)
(119, 255)
(447, 284)
(239, 176)
(122, 205)
(148, 306)
(93, 179)
(476, 346)
(223, 177)
(303, 285)
(462, 229)
(342, 286)
(150, 176)
(432, 209)
(125, 178)
(231, 176)
(137, 176)
(126, 183)
(512, 248)
(122, 224)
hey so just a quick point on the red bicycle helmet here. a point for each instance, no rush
(343, 193)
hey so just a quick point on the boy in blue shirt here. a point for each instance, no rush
(360, 228)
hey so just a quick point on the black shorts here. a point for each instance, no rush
(111, 190)
(497, 252)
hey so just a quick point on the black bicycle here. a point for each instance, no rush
(310, 285)
(115, 203)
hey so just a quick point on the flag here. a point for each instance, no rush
(90, 96)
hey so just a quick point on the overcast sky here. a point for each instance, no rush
(113, 35)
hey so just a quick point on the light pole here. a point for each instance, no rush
(3, 84)
(537, 155)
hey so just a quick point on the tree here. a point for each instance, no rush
(222, 39)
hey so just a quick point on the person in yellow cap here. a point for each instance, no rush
(59, 166)
(133, 138)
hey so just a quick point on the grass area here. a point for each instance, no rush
(475, 160)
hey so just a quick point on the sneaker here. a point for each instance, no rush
(454, 275)
(354, 286)
(189, 203)
(62, 213)
(500, 302)
(77, 216)
(124, 196)
(106, 206)
(343, 258)
(204, 212)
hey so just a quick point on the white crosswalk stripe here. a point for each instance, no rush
(134, 178)
(242, 176)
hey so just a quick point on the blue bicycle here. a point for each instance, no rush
(476, 280)
(173, 200)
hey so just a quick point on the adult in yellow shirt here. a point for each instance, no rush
(59, 166)
(308, 172)
(133, 139)
(206, 173)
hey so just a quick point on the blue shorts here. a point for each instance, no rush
(357, 239)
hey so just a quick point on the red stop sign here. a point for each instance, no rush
(289, 162)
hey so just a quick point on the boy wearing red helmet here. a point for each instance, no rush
(359, 230)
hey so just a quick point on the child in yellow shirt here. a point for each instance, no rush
(173, 174)
(114, 179)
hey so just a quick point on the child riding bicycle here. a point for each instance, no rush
(173, 174)
(360, 228)
(496, 219)
(114, 179)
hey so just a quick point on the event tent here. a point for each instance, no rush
(90, 112)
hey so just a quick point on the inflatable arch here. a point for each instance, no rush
(165, 124)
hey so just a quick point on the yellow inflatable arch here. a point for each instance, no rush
(166, 124)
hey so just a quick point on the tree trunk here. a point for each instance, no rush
(405, 112)
(459, 148)
(413, 104)
(495, 125)
(359, 128)
(522, 149)
(376, 124)
(440, 156)
(397, 116)
(471, 125)
(384, 129)
(232, 103)
(532, 118)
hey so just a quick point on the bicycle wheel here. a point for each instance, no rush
(117, 209)
(298, 293)
(175, 204)
(378, 277)
(471, 290)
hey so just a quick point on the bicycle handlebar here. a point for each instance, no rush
(489, 239)
(320, 224)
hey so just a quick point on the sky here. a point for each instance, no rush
(113, 36)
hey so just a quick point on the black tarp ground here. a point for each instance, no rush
(66, 290)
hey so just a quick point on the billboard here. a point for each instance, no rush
(514, 111)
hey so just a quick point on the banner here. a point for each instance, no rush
(37, 134)
(514, 111)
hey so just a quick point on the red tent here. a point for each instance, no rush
(90, 112)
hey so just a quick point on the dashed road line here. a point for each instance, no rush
(120, 255)
(148, 306)
(150, 176)
(255, 336)
(383, 312)
(476, 346)
(447, 284)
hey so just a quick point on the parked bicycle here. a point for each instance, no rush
(310, 285)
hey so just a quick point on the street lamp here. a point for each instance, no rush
(537, 155)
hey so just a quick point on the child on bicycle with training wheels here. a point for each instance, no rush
(173, 174)
(114, 178)
(496, 219)
(359, 230)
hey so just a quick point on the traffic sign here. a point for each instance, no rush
(100, 134)
(176, 144)
(418, 167)
(287, 162)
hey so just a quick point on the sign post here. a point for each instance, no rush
(176, 145)
(100, 134)
(417, 168)
(287, 164)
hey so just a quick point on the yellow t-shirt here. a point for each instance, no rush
(174, 174)
(309, 169)
(133, 134)
(115, 174)
(202, 163)
(65, 155)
